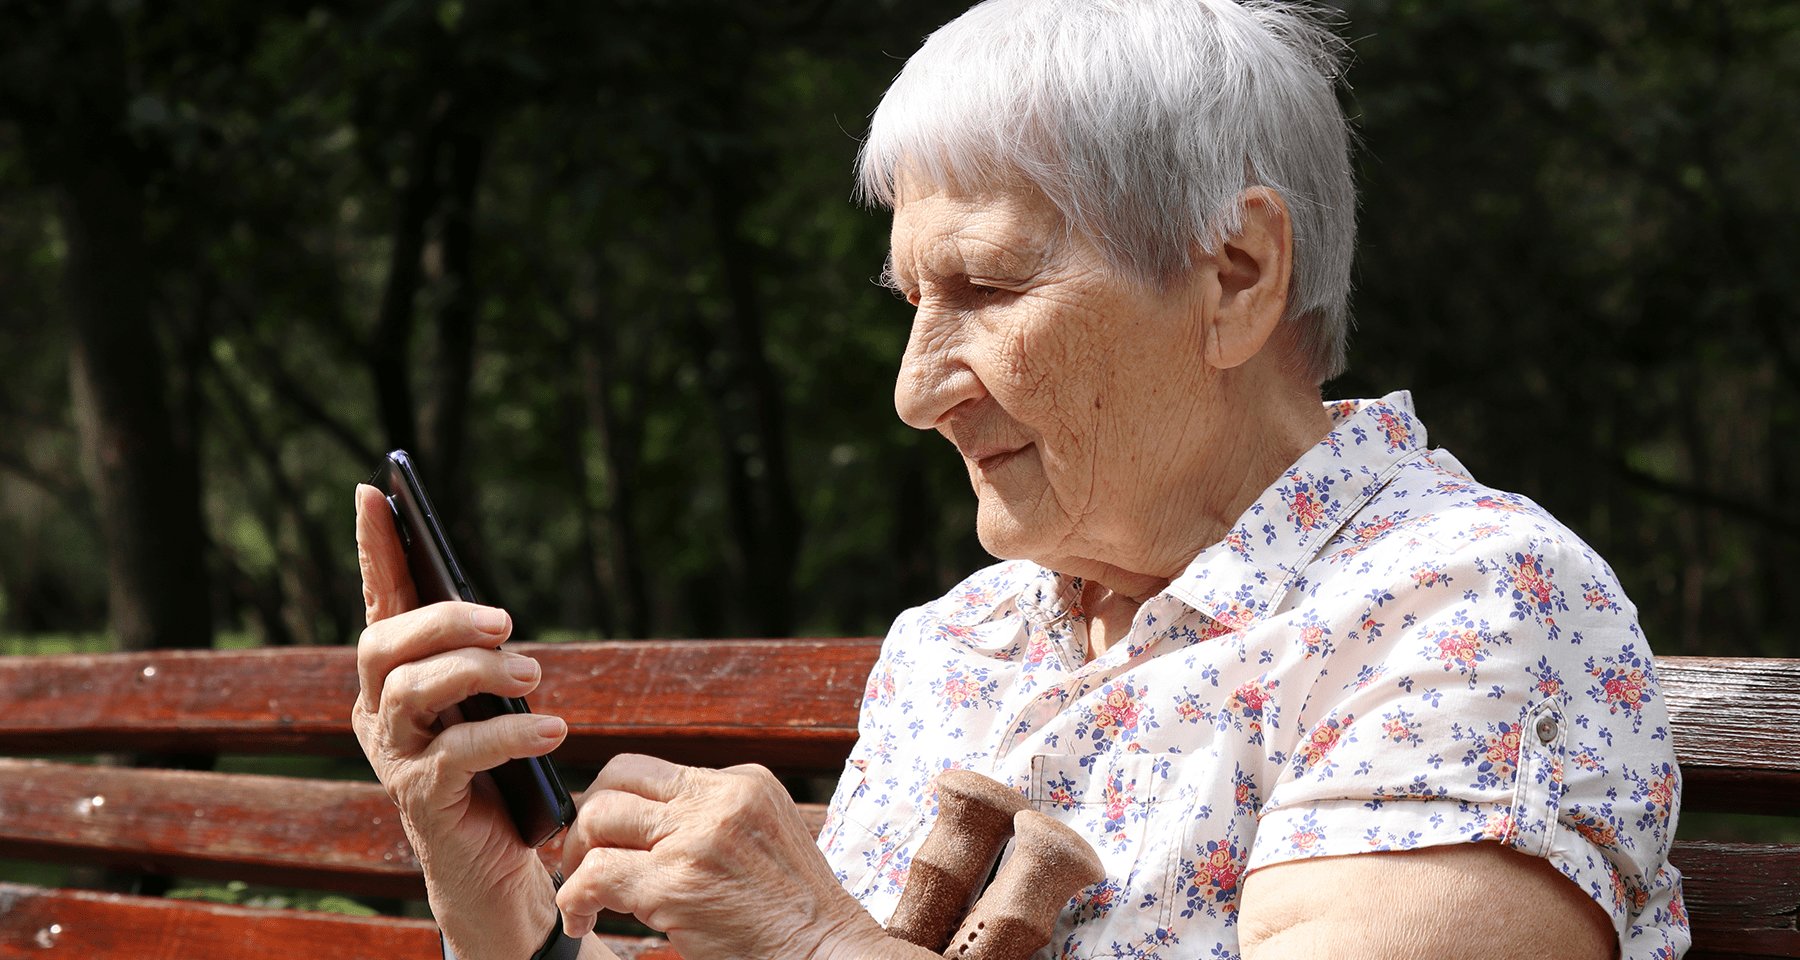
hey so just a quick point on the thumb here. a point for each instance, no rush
(387, 586)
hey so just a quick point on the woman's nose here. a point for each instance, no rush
(934, 376)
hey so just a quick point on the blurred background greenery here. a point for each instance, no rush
(597, 265)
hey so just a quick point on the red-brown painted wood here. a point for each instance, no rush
(1734, 712)
(786, 703)
(321, 834)
(1742, 896)
(801, 694)
(343, 836)
(279, 831)
(1737, 731)
(37, 924)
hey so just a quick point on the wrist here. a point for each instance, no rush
(507, 921)
(854, 937)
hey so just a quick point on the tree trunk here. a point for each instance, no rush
(390, 356)
(774, 511)
(146, 482)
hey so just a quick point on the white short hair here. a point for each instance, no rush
(1143, 121)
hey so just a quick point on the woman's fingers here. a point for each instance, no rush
(456, 755)
(623, 881)
(417, 693)
(611, 818)
(417, 634)
(387, 586)
(650, 777)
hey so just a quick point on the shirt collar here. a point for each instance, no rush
(1238, 580)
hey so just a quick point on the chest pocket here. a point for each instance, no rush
(1130, 807)
(868, 838)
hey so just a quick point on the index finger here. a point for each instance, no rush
(387, 585)
(649, 777)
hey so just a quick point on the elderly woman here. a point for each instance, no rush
(1307, 687)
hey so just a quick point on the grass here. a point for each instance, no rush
(34, 644)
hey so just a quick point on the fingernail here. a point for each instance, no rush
(490, 619)
(521, 666)
(551, 727)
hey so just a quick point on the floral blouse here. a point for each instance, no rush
(1382, 654)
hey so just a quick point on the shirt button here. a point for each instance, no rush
(1546, 729)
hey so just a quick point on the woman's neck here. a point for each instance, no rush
(1112, 592)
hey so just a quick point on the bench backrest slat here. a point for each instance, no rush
(783, 703)
(786, 703)
(38, 924)
(344, 837)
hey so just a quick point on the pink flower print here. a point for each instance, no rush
(1499, 826)
(1503, 751)
(1305, 837)
(1596, 829)
(1657, 793)
(1238, 542)
(1495, 503)
(1212, 878)
(1117, 798)
(880, 688)
(1398, 730)
(1460, 648)
(1482, 531)
(1187, 709)
(1312, 637)
(1598, 597)
(1119, 712)
(957, 630)
(1529, 582)
(1250, 697)
(1430, 575)
(959, 691)
(1099, 899)
(1369, 532)
(1624, 688)
(1229, 619)
(1305, 508)
(1396, 429)
(1678, 912)
(1320, 741)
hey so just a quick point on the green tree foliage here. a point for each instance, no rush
(597, 264)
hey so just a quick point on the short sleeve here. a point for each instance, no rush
(1503, 692)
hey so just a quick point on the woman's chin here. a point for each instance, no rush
(1006, 536)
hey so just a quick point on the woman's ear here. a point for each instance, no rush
(1252, 270)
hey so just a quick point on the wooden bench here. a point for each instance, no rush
(790, 704)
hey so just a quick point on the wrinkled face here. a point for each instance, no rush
(1073, 393)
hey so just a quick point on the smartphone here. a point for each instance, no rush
(534, 795)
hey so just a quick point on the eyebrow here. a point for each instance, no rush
(888, 279)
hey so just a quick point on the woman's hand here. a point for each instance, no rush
(718, 859)
(488, 890)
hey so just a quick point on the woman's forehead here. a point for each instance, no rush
(1017, 218)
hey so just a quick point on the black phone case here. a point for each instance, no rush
(534, 795)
